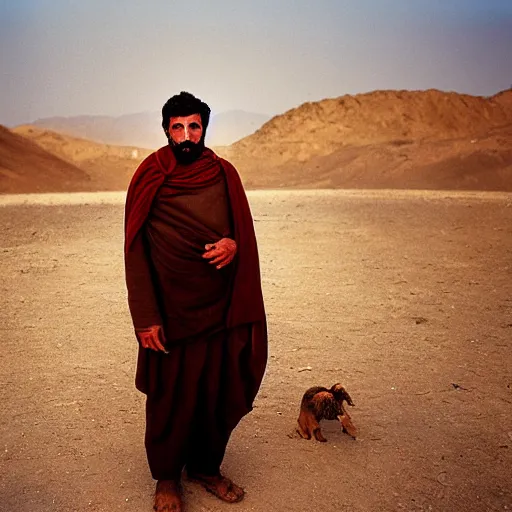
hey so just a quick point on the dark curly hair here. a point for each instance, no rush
(184, 104)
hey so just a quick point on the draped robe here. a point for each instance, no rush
(213, 320)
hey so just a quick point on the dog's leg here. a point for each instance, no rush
(303, 434)
(347, 425)
(317, 432)
(303, 428)
(344, 411)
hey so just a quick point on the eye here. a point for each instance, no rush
(195, 126)
(176, 126)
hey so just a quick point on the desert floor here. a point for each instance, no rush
(404, 297)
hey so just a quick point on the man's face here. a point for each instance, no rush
(186, 128)
(185, 137)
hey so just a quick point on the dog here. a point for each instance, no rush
(320, 403)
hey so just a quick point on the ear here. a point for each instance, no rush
(348, 398)
(340, 393)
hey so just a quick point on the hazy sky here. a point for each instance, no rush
(72, 57)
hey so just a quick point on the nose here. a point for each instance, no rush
(187, 133)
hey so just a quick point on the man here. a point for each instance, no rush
(194, 292)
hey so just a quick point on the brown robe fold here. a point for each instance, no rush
(193, 295)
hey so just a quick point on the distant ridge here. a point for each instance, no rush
(141, 130)
(144, 129)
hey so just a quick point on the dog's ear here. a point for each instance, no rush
(340, 393)
(348, 398)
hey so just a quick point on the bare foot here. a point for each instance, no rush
(167, 496)
(219, 486)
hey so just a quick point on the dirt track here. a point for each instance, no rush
(405, 298)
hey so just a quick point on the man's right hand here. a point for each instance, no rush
(152, 337)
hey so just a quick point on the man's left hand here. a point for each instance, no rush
(220, 253)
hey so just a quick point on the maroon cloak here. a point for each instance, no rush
(246, 302)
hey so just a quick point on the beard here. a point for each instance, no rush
(187, 152)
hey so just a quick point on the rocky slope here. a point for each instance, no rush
(396, 139)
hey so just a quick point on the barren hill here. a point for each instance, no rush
(397, 139)
(26, 167)
(109, 167)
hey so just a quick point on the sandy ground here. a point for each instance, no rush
(405, 298)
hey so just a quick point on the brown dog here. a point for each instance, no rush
(320, 403)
